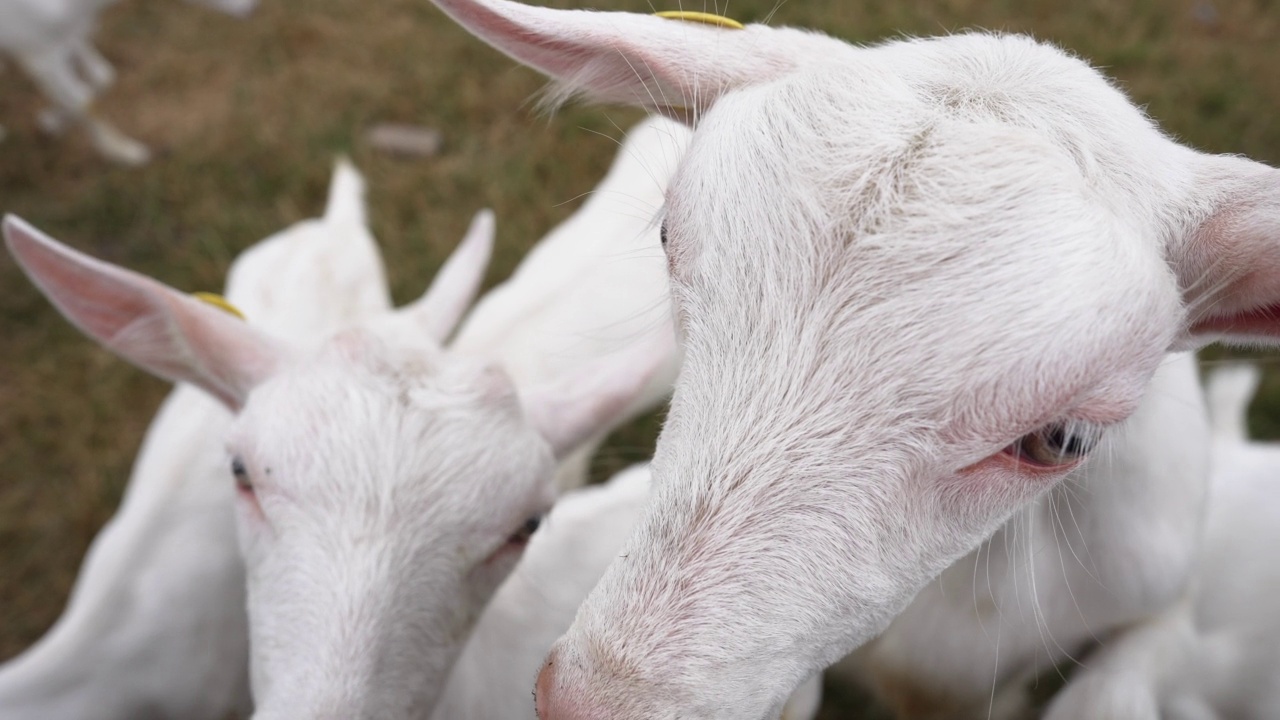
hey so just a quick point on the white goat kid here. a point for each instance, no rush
(583, 534)
(374, 514)
(1112, 544)
(917, 281)
(50, 39)
(156, 624)
(1217, 655)
(594, 284)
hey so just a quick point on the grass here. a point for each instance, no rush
(248, 116)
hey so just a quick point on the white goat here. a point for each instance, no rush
(156, 624)
(50, 39)
(281, 284)
(595, 283)
(374, 513)
(1112, 544)
(565, 559)
(917, 282)
(1217, 655)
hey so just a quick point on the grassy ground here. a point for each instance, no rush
(248, 116)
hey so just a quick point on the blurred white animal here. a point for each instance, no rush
(385, 486)
(595, 283)
(1217, 654)
(50, 39)
(1114, 543)
(156, 625)
(493, 677)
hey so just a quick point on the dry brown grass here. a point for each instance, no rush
(250, 114)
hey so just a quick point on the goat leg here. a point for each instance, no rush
(55, 75)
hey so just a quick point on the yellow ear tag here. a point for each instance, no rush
(219, 302)
(701, 17)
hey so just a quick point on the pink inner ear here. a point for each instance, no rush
(1246, 302)
(149, 324)
(1259, 322)
(524, 42)
(1231, 264)
(96, 298)
(107, 307)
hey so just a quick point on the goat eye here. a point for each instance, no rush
(1055, 445)
(662, 234)
(526, 531)
(241, 474)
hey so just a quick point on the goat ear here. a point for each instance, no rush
(456, 284)
(588, 401)
(1230, 265)
(159, 329)
(674, 67)
(346, 194)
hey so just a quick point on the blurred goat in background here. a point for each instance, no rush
(50, 40)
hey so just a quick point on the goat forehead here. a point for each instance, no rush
(966, 250)
(865, 108)
(380, 428)
(1017, 80)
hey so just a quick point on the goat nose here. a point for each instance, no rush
(562, 692)
(543, 688)
(551, 700)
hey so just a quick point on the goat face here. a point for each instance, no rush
(864, 349)
(916, 282)
(386, 486)
(383, 496)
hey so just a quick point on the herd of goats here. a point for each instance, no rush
(925, 313)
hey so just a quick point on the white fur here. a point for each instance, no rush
(156, 625)
(1216, 655)
(386, 474)
(1113, 543)
(323, 275)
(494, 674)
(536, 604)
(889, 264)
(50, 40)
(595, 283)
